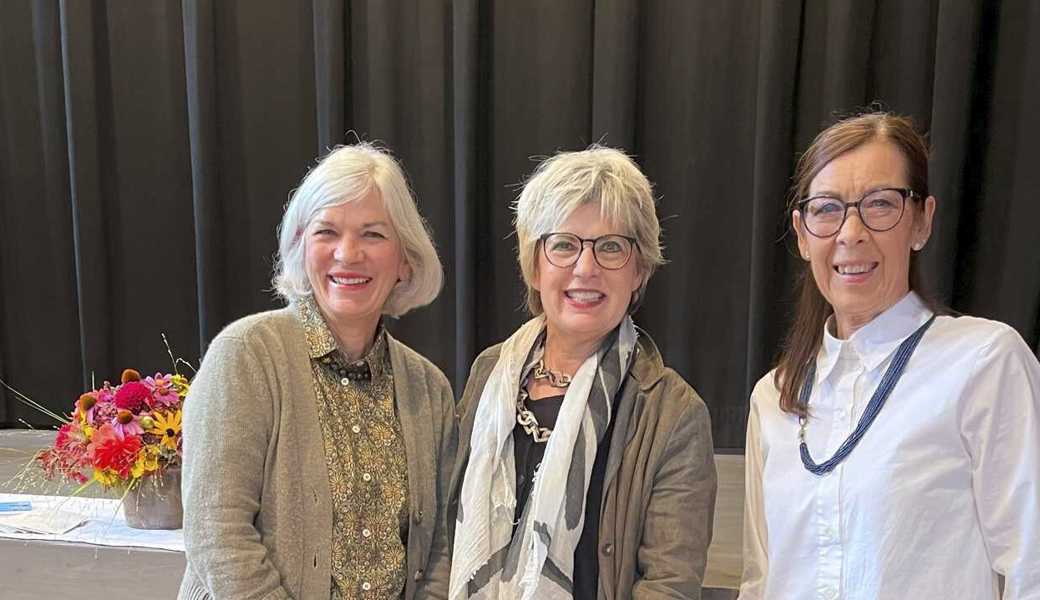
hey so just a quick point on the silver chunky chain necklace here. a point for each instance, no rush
(524, 417)
(557, 380)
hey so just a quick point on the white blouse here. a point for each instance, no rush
(941, 495)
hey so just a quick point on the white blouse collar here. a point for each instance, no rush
(875, 341)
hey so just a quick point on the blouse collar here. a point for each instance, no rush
(321, 342)
(873, 343)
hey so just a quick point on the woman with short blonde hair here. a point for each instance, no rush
(586, 467)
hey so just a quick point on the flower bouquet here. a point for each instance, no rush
(127, 438)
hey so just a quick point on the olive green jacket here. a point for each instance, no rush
(659, 485)
(257, 506)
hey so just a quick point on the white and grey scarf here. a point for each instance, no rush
(488, 561)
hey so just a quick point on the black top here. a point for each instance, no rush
(528, 455)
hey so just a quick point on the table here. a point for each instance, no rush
(32, 569)
(36, 568)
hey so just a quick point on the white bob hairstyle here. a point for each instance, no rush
(346, 174)
(563, 183)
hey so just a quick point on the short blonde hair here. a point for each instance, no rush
(346, 174)
(563, 183)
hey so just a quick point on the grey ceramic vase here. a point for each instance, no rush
(156, 502)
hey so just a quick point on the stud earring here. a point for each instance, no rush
(917, 246)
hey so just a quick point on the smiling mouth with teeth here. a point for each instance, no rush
(855, 269)
(582, 296)
(350, 280)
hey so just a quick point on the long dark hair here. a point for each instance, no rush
(812, 310)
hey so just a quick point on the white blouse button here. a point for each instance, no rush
(356, 429)
(366, 532)
(366, 477)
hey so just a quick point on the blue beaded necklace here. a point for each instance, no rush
(888, 383)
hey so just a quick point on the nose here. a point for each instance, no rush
(852, 230)
(348, 250)
(586, 264)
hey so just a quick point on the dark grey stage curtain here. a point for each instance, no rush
(148, 149)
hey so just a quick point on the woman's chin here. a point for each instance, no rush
(342, 311)
(583, 325)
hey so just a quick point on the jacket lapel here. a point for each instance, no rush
(645, 372)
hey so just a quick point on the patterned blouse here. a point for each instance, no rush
(364, 452)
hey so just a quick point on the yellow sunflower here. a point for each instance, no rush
(167, 425)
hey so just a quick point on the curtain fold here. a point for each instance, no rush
(87, 183)
(770, 268)
(467, 134)
(200, 86)
(957, 50)
(147, 151)
(330, 71)
(38, 292)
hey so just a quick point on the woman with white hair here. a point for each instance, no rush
(586, 468)
(313, 440)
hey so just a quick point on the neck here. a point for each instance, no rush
(565, 354)
(355, 339)
(847, 323)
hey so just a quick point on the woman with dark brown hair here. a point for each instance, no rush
(894, 452)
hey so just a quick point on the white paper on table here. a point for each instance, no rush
(49, 522)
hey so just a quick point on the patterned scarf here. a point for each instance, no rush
(488, 561)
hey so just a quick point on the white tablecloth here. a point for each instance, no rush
(104, 524)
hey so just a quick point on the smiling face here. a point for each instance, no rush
(353, 260)
(862, 272)
(584, 302)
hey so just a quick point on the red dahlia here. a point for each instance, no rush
(132, 396)
(109, 451)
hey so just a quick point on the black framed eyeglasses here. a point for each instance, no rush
(879, 210)
(612, 251)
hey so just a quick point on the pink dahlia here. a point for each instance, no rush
(132, 396)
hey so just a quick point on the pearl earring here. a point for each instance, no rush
(918, 246)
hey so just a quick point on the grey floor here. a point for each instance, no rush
(722, 578)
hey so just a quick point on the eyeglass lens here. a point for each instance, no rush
(610, 251)
(879, 211)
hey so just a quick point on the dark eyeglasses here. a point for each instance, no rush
(612, 251)
(879, 210)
